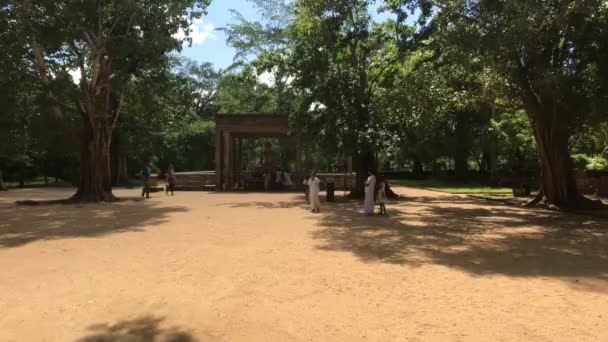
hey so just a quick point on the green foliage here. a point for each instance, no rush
(585, 162)
(239, 91)
(597, 163)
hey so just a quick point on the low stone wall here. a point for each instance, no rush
(592, 183)
(205, 180)
(194, 180)
(343, 181)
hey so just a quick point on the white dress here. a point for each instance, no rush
(287, 179)
(370, 185)
(314, 188)
(382, 193)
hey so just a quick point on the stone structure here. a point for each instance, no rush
(230, 129)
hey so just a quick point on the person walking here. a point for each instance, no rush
(314, 187)
(370, 189)
(381, 197)
(147, 175)
(171, 178)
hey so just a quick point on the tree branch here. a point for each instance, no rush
(39, 63)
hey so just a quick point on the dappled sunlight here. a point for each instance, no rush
(23, 224)
(473, 236)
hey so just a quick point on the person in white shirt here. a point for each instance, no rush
(314, 187)
(370, 190)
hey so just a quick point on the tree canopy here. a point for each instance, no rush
(457, 88)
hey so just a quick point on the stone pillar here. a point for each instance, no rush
(299, 178)
(227, 162)
(233, 162)
(218, 160)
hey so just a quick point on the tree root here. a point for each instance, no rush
(536, 200)
(581, 203)
(78, 198)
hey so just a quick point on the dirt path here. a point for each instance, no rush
(260, 267)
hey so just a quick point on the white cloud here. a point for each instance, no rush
(198, 31)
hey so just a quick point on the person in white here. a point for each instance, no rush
(287, 179)
(370, 189)
(314, 187)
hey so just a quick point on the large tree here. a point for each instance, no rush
(332, 44)
(553, 57)
(109, 43)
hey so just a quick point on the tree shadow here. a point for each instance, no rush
(295, 201)
(143, 329)
(266, 205)
(473, 236)
(21, 225)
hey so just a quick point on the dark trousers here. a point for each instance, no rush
(146, 189)
(330, 192)
(170, 187)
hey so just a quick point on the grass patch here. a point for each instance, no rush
(451, 187)
(38, 182)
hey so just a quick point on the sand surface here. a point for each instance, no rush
(259, 267)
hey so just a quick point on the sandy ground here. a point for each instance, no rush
(260, 267)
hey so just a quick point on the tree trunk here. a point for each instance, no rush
(461, 148)
(364, 162)
(95, 184)
(418, 168)
(558, 184)
(461, 166)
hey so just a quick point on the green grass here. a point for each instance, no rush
(38, 182)
(451, 187)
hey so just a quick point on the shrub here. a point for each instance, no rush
(581, 161)
(598, 163)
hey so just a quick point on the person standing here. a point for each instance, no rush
(147, 175)
(287, 182)
(370, 189)
(381, 198)
(170, 180)
(314, 187)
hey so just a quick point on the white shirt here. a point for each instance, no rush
(314, 185)
(370, 184)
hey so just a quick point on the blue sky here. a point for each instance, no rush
(210, 44)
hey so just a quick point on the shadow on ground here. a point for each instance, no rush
(474, 236)
(21, 225)
(144, 329)
(295, 201)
